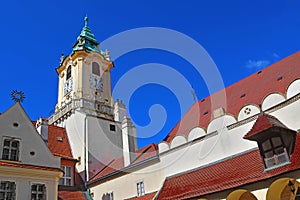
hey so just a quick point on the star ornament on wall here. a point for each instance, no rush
(17, 96)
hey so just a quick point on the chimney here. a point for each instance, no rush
(119, 111)
(42, 128)
(129, 140)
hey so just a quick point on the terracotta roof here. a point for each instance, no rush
(71, 195)
(26, 166)
(58, 142)
(264, 122)
(145, 153)
(149, 196)
(240, 94)
(211, 179)
(118, 164)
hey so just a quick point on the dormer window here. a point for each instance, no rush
(274, 152)
(69, 72)
(96, 68)
(275, 141)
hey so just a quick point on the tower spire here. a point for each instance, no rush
(86, 40)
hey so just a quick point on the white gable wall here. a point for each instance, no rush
(30, 140)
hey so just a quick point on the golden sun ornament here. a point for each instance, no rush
(17, 96)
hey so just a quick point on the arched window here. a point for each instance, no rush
(96, 69)
(68, 72)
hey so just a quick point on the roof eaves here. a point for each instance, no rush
(127, 169)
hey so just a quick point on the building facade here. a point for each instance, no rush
(220, 151)
(242, 142)
(28, 170)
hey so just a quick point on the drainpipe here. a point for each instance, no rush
(86, 174)
(85, 153)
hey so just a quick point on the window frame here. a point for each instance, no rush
(96, 69)
(64, 180)
(11, 149)
(38, 192)
(274, 149)
(108, 196)
(111, 196)
(69, 72)
(8, 190)
(140, 187)
(112, 127)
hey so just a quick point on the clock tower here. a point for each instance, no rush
(85, 107)
(84, 78)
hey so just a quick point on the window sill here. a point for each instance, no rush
(276, 166)
(11, 161)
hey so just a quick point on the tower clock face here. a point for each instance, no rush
(96, 82)
(68, 86)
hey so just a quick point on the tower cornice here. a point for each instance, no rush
(85, 55)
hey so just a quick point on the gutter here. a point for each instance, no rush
(123, 170)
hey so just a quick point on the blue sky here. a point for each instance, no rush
(240, 36)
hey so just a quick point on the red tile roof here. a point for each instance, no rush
(264, 122)
(211, 179)
(71, 195)
(59, 147)
(149, 196)
(26, 166)
(118, 164)
(267, 78)
(145, 153)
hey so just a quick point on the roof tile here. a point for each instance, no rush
(285, 68)
(211, 179)
(71, 195)
(58, 142)
(264, 122)
(149, 196)
(117, 164)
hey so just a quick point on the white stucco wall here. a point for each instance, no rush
(103, 145)
(248, 111)
(15, 124)
(293, 89)
(220, 145)
(30, 140)
(75, 129)
(125, 186)
(289, 115)
(24, 182)
(183, 156)
(272, 100)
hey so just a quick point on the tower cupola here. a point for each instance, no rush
(86, 40)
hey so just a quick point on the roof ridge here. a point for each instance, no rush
(140, 154)
(101, 170)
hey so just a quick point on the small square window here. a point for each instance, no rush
(112, 127)
(108, 196)
(38, 192)
(140, 189)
